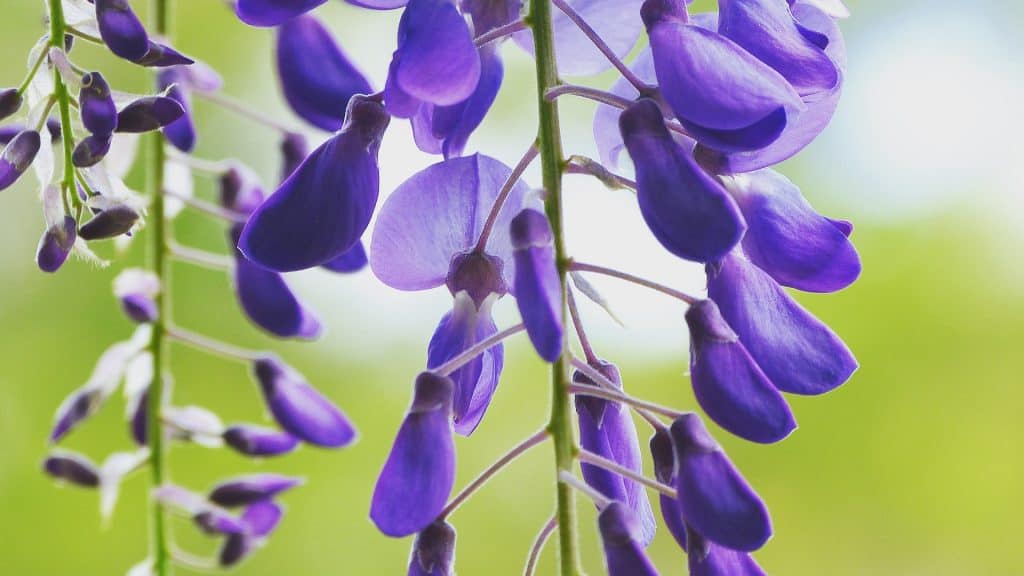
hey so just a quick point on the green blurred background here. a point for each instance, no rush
(915, 467)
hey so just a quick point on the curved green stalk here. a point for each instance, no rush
(550, 140)
(60, 91)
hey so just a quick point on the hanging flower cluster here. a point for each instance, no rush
(703, 113)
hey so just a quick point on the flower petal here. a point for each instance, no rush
(418, 476)
(272, 12)
(620, 535)
(729, 385)
(538, 287)
(454, 124)
(437, 214)
(353, 260)
(299, 408)
(98, 111)
(433, 552)
(316, 77)
(687, 210)
(17, 156)
(322, 209)
(121, 29)
(259, 441)
(251, 488)
(56, 244)
(715, 499)
(798, 352)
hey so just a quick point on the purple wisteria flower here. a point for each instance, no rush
(273, 12)
(258, 520)
(323, 208)
(537, 286)
(17, 156)
(10, 102)
(623, 544)
(72, 468)
(419, 473)
(98, 111)
(149, 113)
(317, 78)
(258, 441)
(246, 490)
(299, 408)
(56, 244)
(433, 552)
(425, 237)
(607, 429)
(123, 32)
(137, 290)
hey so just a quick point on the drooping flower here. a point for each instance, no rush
(729, 385)
(137, 290)
(424, 237)
(798, 352)
(725, 97)
(56, 244)
(436, 61)
(182, 132)
(607, 429)
(433, 551)
(72, 468)
(713, 496)
(252, 488)
(149, 113)
(10, 102)
(98, 111)
(91, 150)
(623, 546)
(687, 210)
(121, 29)
(114, 219)
(317, 78)
(324, 207)
(538, 288)
(419, 473)
(299, 408)
(786, 238)
(253, 440)
(17, 156)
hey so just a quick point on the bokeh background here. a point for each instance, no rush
(915, 467)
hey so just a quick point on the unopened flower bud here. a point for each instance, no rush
(10, 102)
(148, 114)
(18, 156)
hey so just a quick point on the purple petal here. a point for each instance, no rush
(162, 56)
(139, 422)
(606, 119)
(322, 209)
(353, 260)
(538, 287)
(121, 29)
(272, 12)
(798, 352)
(245, 490)
(687, 210)
(664, 458)
(215, 521)
(725, 97)
(729, 385)
(140, 308)
(831, 8)
(90, 150)
(56, 244)
(378, 4)
(73, 469)
(716, 501)
(437, 214)
(453, 125)
(436, 60)
(607, 429)
(476, 381)
(708, 559)
(259, 441)
(18, 156)
(316, 77)
(269, 302)
(418, 476)
(768, 30)
(109, 223)
(616, 22)
(10, 102)
(786, 238)
(433, 552)
(486, 15)
(149, 113)
(621, 537)
(98, 112)
(299, 408)
(260, 518)
(81, 404)
(181, 133)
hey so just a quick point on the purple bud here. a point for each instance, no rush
(90, 150)
(687, 210)
(260, 519)
(215, 521)
(81, 404)
(715, 499)
(121, 29)
(181, 133)
(348, 262)
(729, 385)
(139, 423)
(433, 552)
(538, 287)
(99, 114)
(708, 559)
(623, 548)
(316, 77)
(109, 223)
(148, 114)
(664, 459)
(73, 469)
(294, 150)
(56, 244)
(299, 408)
(797, 351)
(162, 56)
(418, 476)
(10, 102)
(324, 207)
(259, 441)
(272, 12)
(53, 125)
(18, 156)
(137, 290)
(245, 490)
(239, 191)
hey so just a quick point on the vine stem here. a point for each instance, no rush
(160, 550)
(58, 27)
(538, 546)
(550, 145)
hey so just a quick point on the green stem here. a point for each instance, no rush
(550, 140)
(60, 92)
(159, 235)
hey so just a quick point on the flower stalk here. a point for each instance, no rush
(58, 27)
(549, 139)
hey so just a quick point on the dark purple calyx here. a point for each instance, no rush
(478, 274)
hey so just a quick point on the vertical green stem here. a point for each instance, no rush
(550, 139)
(159, 545)
(60, 91)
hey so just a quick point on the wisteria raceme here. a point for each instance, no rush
(709, 105)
